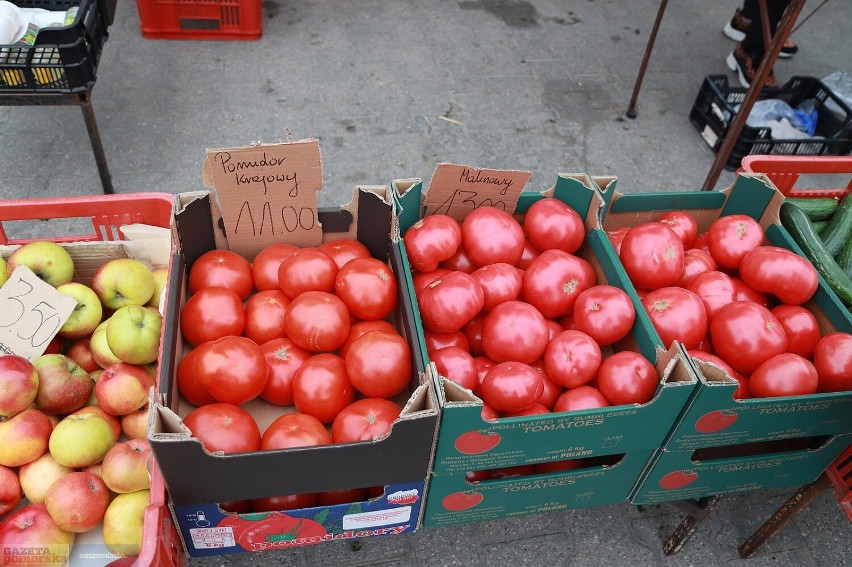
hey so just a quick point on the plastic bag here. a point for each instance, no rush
(840, 83)
(769, 112)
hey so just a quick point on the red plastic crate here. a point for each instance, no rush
(840, 473)
(201, 19)
(784, 172)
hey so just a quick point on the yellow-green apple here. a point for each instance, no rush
(81, 440)
(123, 388)
(122, 529)
(77, 502)
(96, 469)
(18, 384)
(87, 314)
(133, 334)
(62, 385)
(24, 437)
(161, 275)
(123, 281)
(10, 490)
(80, 351)
(31, 529)
(4, 275)
(135, 424)
(38, 476)
(48, 260)
(113, 421)
(125, 466)
(100, 349)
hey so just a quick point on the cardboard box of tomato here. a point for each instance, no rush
(393, 468)
(712, 417)
(468, 442)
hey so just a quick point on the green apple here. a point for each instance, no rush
(63, 386)
(133, 334)
(123, 281)
(161, 275)
(77, 502)
(100, 348)
(48, 260)
(123, 522)
(24, 437)
(4, 275)
(80, 440)
(38, 476)
(18, 384)
(87, 313)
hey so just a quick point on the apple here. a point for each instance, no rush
(77, 502)
(87, 313)
(716, 420)
(37, 477)
(123, 388)
(678, 479)
(133, 334)
(31, 529)
(114, 422)
(80, 351)
(135, 424)
(4, 275)
(123, 520)
(458, 501)
(18, 384)
(48, 260)
(476, 442)
(63, 386)
(125, 466)
(97, 470)
(10, 490)
(100, 348)
(55, 345)
(81, 440)
(161, 276)
(24, 437)
(123, 281)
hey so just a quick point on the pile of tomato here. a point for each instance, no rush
(511, 312)
(305, 329)
(736, 302)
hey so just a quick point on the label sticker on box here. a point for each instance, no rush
(377, 518)
(455, 190)
(209, 538)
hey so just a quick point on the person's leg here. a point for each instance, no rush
(749, 16)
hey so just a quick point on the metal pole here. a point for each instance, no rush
(631, 108)
(95, 138)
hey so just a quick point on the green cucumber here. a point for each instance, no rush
(839, 228)
(819, 226)
(818, 209)
(844, 258)
(799, 226)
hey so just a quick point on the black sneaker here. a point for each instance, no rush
(738, 27)
(746, 68)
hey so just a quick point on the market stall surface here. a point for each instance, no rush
(392, 88)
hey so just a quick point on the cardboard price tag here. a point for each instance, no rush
(31, 313)
(267, 194)
(455, 190)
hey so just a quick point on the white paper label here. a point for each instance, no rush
(709, 136)
(377, 518)
(208, 538)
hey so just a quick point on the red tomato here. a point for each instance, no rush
(553, 328)
(343, 250)
(210, 314)
(715, 289)
(264, 269)
(460, 262)
(730, 238)
(514, 331)
(745, 335)
(422, 279)
(488, 413)
(283, 359)
(627, 377)
(801, 328)
(379, 364)
(535, 409)
(436, 341)
(368, 288)
(232, 369)
(551, 224)
(784, 274)
(294, 430)
(677, 315)
(457, 365)
(652, 255)
(700, 243)
(221, 268)
(492, 236)
(605, 313)
(321, 387)
(511, 386)
(500, 282)
(572, 359)
(580, 398)
(616, 237)
(551, 390)
(187, 383)
(705, 344)
(360, 329)
(742, 391)
(744, 293)
(259, 532)
(527, 256)
(558, 466)
(446, 304)
(306, 269)
(695, 261)
(265, 315)
(683, 224)
(785, 374)
(224, 427)
(473, 332)
(511, 472)
(482, 363)
(343, 496)
(554, 280)
(833, 361)
(365, 420)
(431, 240)
(317, 321)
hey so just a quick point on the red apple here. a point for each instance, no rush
(678, 479)
(135, 424)
(10, 490)
(37, 477)
(476, 442)
(30, 528)
(123, 388)
(63, 386)
(458, 501)
(125, 466)
(80, 351)
(77, 501)
(18, 384)
(24, 437)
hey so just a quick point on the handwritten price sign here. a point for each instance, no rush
(455, 190)
(31, 313)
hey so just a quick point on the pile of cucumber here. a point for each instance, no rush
(822, 228)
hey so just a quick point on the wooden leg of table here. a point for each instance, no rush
(631, 108)
(97, 146)
(796, 504)
(689, 524)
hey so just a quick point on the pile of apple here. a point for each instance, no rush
(73, 422)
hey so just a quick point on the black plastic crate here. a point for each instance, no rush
(63, 59)
(714, 109)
